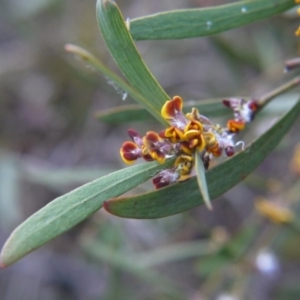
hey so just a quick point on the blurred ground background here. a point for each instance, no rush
(51, 143)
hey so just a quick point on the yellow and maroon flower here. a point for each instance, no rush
(173, 134)
(165, 178)
(215, 150)
(136, 138)
(172, 113)
(184, 165)
(193, 125)
(235, 126)
(218, 140)
(210, 139)
(156, 146)
(195, 139)
(180, 172)
(194, 114)
(130, 152)
(243, 110)
(185, 148)
(212, 145)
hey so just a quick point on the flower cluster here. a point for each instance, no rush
(186, 134)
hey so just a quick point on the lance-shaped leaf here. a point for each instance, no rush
(112, 77)
(123, 50)
(201, 180)
(68, 210)
(190, 23)
(183, 196)
(134, 112)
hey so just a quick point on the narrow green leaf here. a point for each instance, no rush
(128, 59)
(201, 180)
(123, 114)
(95, 63)
(149, 259)
(174, 252)
(134, 112)
(183, 196)
(190, 23)
(120, 260)
(59, 177)
(68, 210)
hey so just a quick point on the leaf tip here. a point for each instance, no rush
(105, 3)
(109, 206)
(206, 199)
(68, 47)
(209, 206)
(106, 205)
(2, 264)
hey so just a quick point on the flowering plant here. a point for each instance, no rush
(189, 139)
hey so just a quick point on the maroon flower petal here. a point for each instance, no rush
(130, 152)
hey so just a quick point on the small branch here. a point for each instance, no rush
(292, 64)
(266, 98)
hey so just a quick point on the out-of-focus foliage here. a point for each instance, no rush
(47, 107)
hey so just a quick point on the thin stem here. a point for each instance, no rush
(266, 98)
(292, 64)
